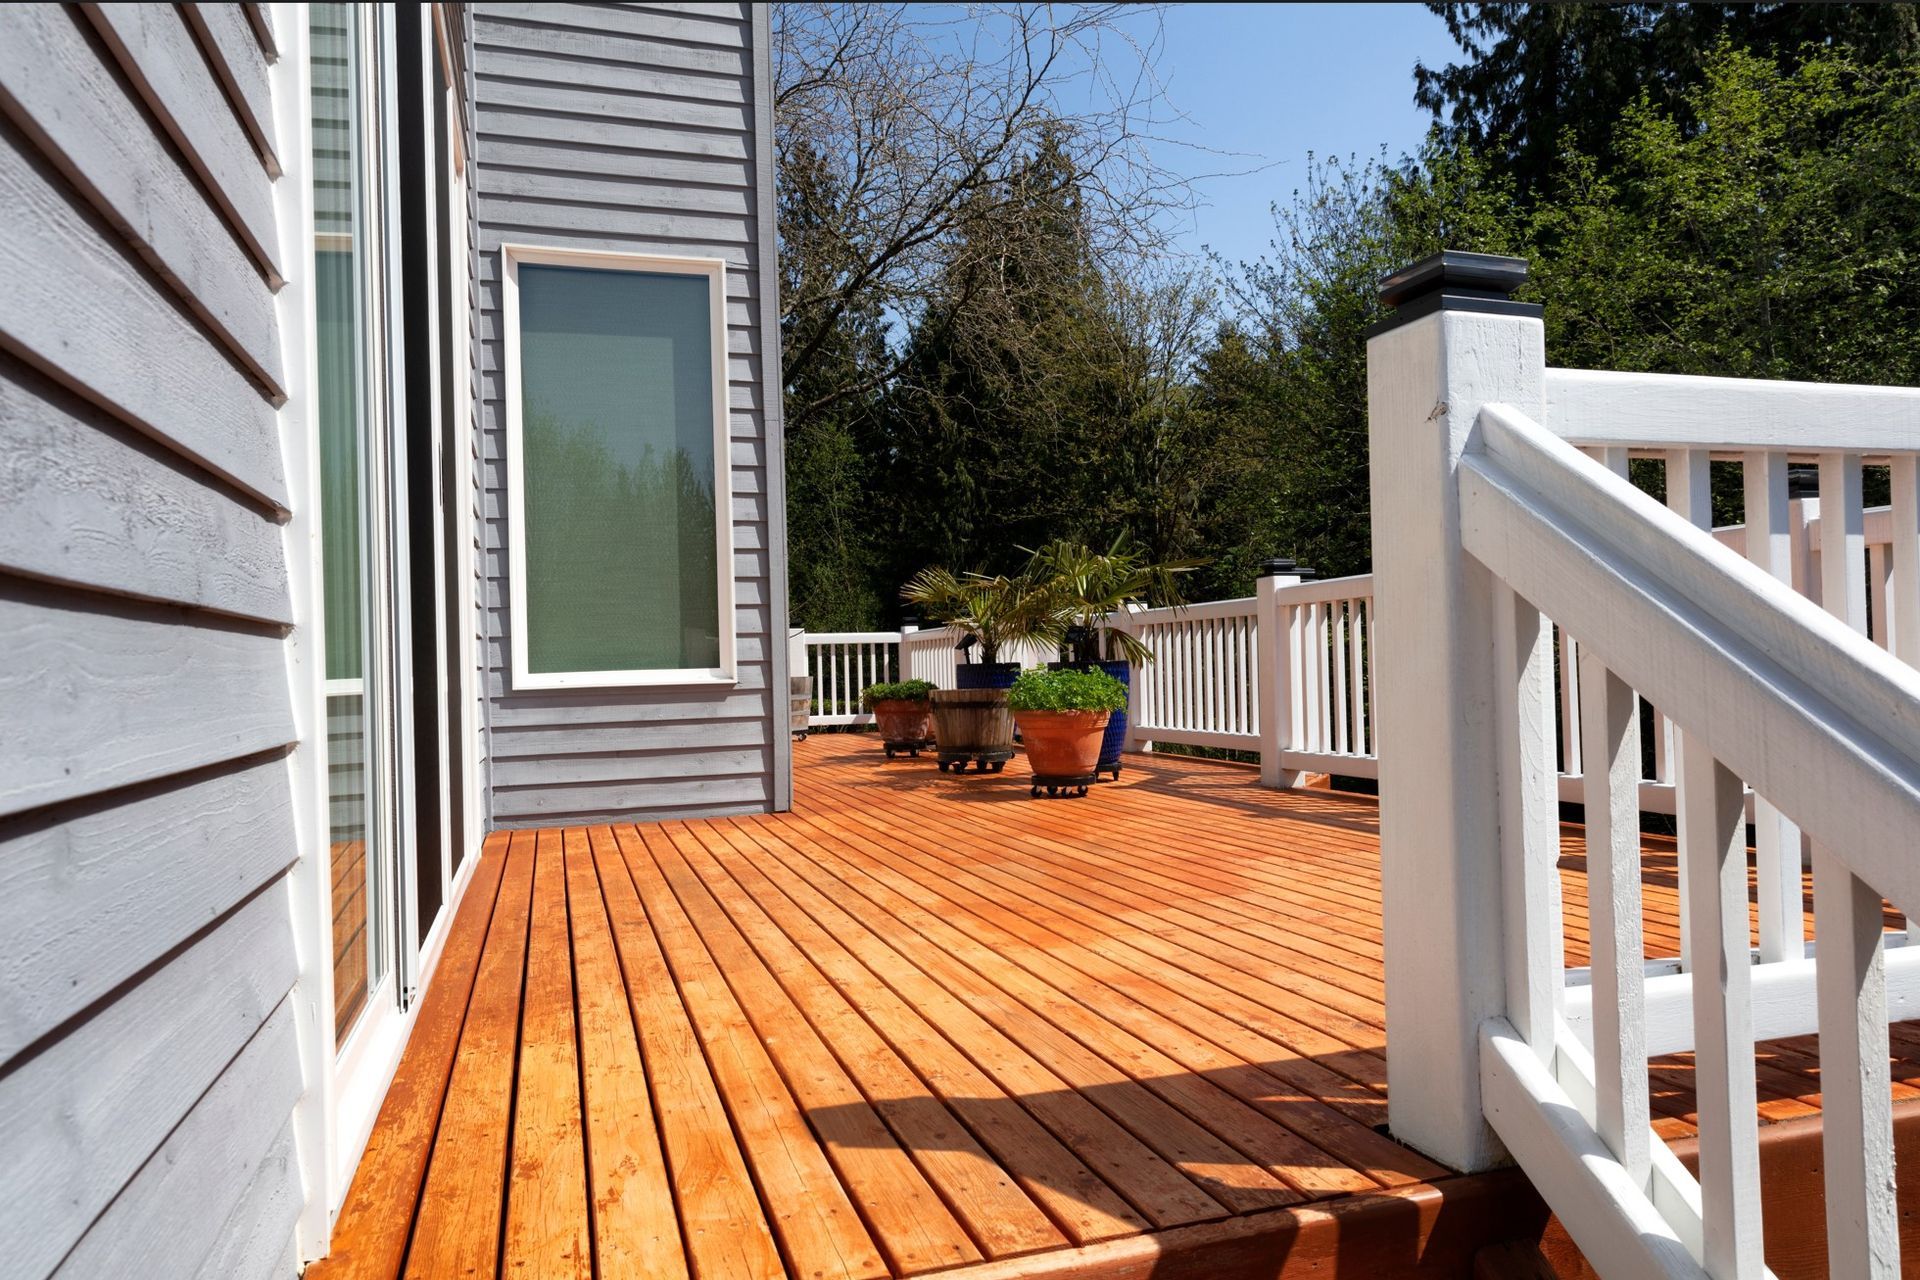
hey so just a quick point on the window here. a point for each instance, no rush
(619, 529)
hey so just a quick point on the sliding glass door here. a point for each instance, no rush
(349, 394)
(389, 285)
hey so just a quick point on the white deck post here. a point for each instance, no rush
(1456, 342)
(1274, 674)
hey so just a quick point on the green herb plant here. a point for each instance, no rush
(896, 691)
(1066, 690)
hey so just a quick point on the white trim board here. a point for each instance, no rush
(715, 270)
(1783, 1001)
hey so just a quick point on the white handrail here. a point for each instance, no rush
(1729, 416)
(1766, 686)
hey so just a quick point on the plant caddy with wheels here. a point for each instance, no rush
(903, 712)
(1062, 716)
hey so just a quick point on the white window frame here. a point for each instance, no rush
(715, 271)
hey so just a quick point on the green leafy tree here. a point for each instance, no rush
(1537, 75)
(1778, 238)
(1297, 361)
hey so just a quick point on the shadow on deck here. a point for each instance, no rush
(923, 1024)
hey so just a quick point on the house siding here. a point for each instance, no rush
(638, 129)
(148, 1058)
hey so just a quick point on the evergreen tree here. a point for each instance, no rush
(1537, 76)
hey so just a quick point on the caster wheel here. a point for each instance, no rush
(889, 753)
(1080, 791)
(1034, 794)
(998, 765)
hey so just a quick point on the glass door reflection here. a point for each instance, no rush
(346, 397)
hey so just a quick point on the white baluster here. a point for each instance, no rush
(1850, 972)
(1529, 818)
(1302, 684)
(1373, 679)
(1323, 682)
(1189, 651)
(1356, 656)
(1216, 684)
(1713, 817)
(1610, 786)
(1337, 624)
(1777, 861)
(1690, 496)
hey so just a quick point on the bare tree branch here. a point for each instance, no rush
(911, 122)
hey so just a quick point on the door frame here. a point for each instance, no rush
(348, 1081)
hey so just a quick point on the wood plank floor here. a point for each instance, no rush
(919, 1024)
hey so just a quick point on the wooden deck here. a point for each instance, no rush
(925, 1024)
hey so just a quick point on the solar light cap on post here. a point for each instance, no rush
(1454, 280)
(1282, 566)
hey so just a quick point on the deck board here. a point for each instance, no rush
(924, 1025)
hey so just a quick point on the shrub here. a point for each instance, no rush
(897, 691)
(1067, 690)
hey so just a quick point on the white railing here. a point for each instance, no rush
(1310, 643)
(1488, 521)
(929, 655)
(1202, 688)
(842, 663)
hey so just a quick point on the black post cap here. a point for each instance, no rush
(1803, 480)
(1454, 280)
(1281, 566)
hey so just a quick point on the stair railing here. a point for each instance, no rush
(1487, 523)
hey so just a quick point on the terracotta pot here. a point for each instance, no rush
(1062, 744)
(903, 724)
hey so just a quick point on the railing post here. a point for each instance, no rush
(1456, 342)
(1275, 673)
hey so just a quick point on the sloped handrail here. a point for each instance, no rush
(1791, 698)
(1764, 686)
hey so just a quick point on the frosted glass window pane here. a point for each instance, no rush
(616, 378)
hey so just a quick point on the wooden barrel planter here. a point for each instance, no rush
(972, 726)
(800, 705)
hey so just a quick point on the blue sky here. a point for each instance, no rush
(1277, 81)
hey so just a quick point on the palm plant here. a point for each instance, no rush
(995, 611)
(1091, 586)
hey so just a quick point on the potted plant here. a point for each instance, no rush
(992, 613)
(1063, 714)
(971, 723)
(903, 713)
(1088, 588)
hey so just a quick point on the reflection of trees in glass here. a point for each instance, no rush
(620, 556)
(339, 340)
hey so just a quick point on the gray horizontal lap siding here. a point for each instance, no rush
(148, 1065)
(636, 129)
